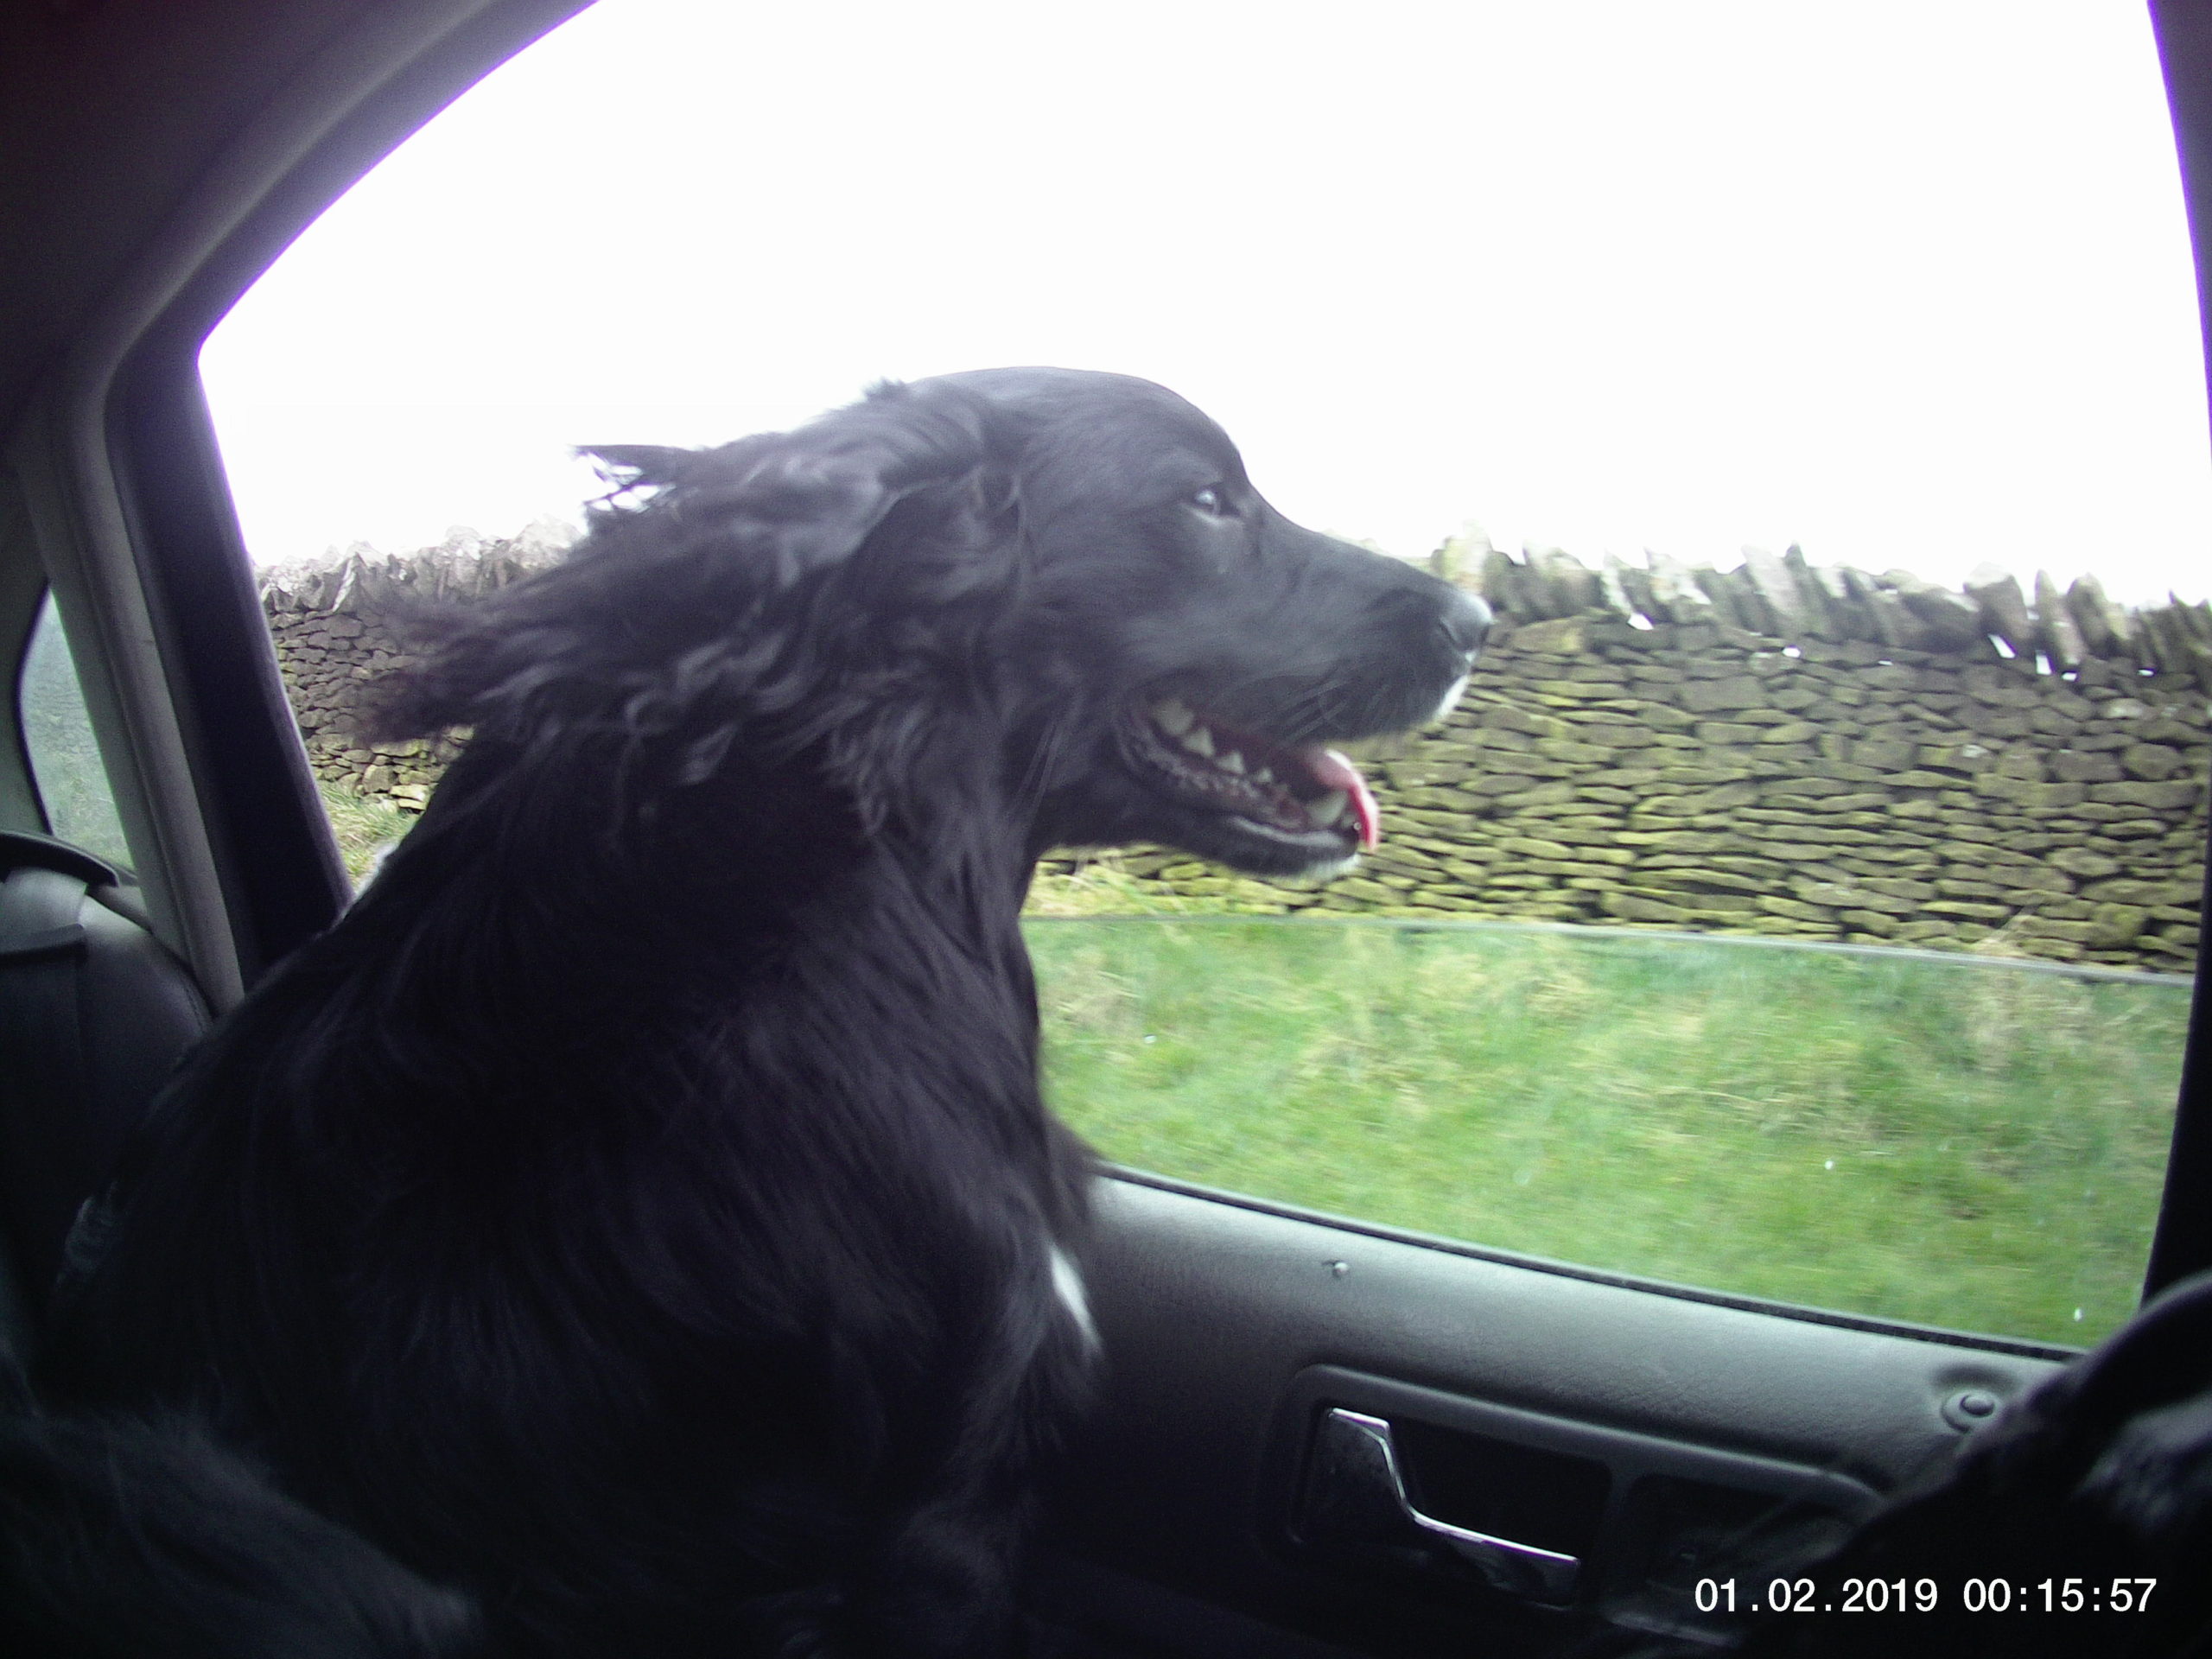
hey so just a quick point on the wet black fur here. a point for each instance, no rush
(639, 1208)
(121, 1538)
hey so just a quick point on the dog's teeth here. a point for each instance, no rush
(1264, 775)
(1230, 761)
(1330, 808)
(1198, 741)
(1172, 717)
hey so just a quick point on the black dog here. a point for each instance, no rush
(640, 1206)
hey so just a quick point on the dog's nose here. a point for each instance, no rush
(1465, 622)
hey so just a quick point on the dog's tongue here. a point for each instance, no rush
(1336, 771)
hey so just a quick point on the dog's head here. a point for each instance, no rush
(1057, 587)
(1218, 650)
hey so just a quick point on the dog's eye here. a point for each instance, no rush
(1211, 500)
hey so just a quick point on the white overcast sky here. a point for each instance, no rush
(1906, 281)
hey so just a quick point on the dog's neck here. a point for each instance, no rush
(758, 899)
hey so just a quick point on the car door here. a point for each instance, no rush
(1316, 1433)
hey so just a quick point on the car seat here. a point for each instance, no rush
(95, 1012)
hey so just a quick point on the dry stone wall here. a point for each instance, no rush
(335, 628)
(1806, 752)
(1776, 750)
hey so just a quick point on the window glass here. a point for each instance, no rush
(1969, 1142)
(1800, 900)
(65, 767)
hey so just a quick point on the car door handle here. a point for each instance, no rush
(1355, 1493)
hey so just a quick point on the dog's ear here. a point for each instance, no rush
(693, 591)
(800, 500)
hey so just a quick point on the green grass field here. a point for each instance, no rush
(1960, 1141)
(1965, 1143)
(364, 824)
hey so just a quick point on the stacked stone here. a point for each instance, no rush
(1785, 597)
(1775, 750)
(1713, 778)
(335, 628)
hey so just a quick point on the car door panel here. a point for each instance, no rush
(1232, 1326)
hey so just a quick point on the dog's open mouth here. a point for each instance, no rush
(1297, 791)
